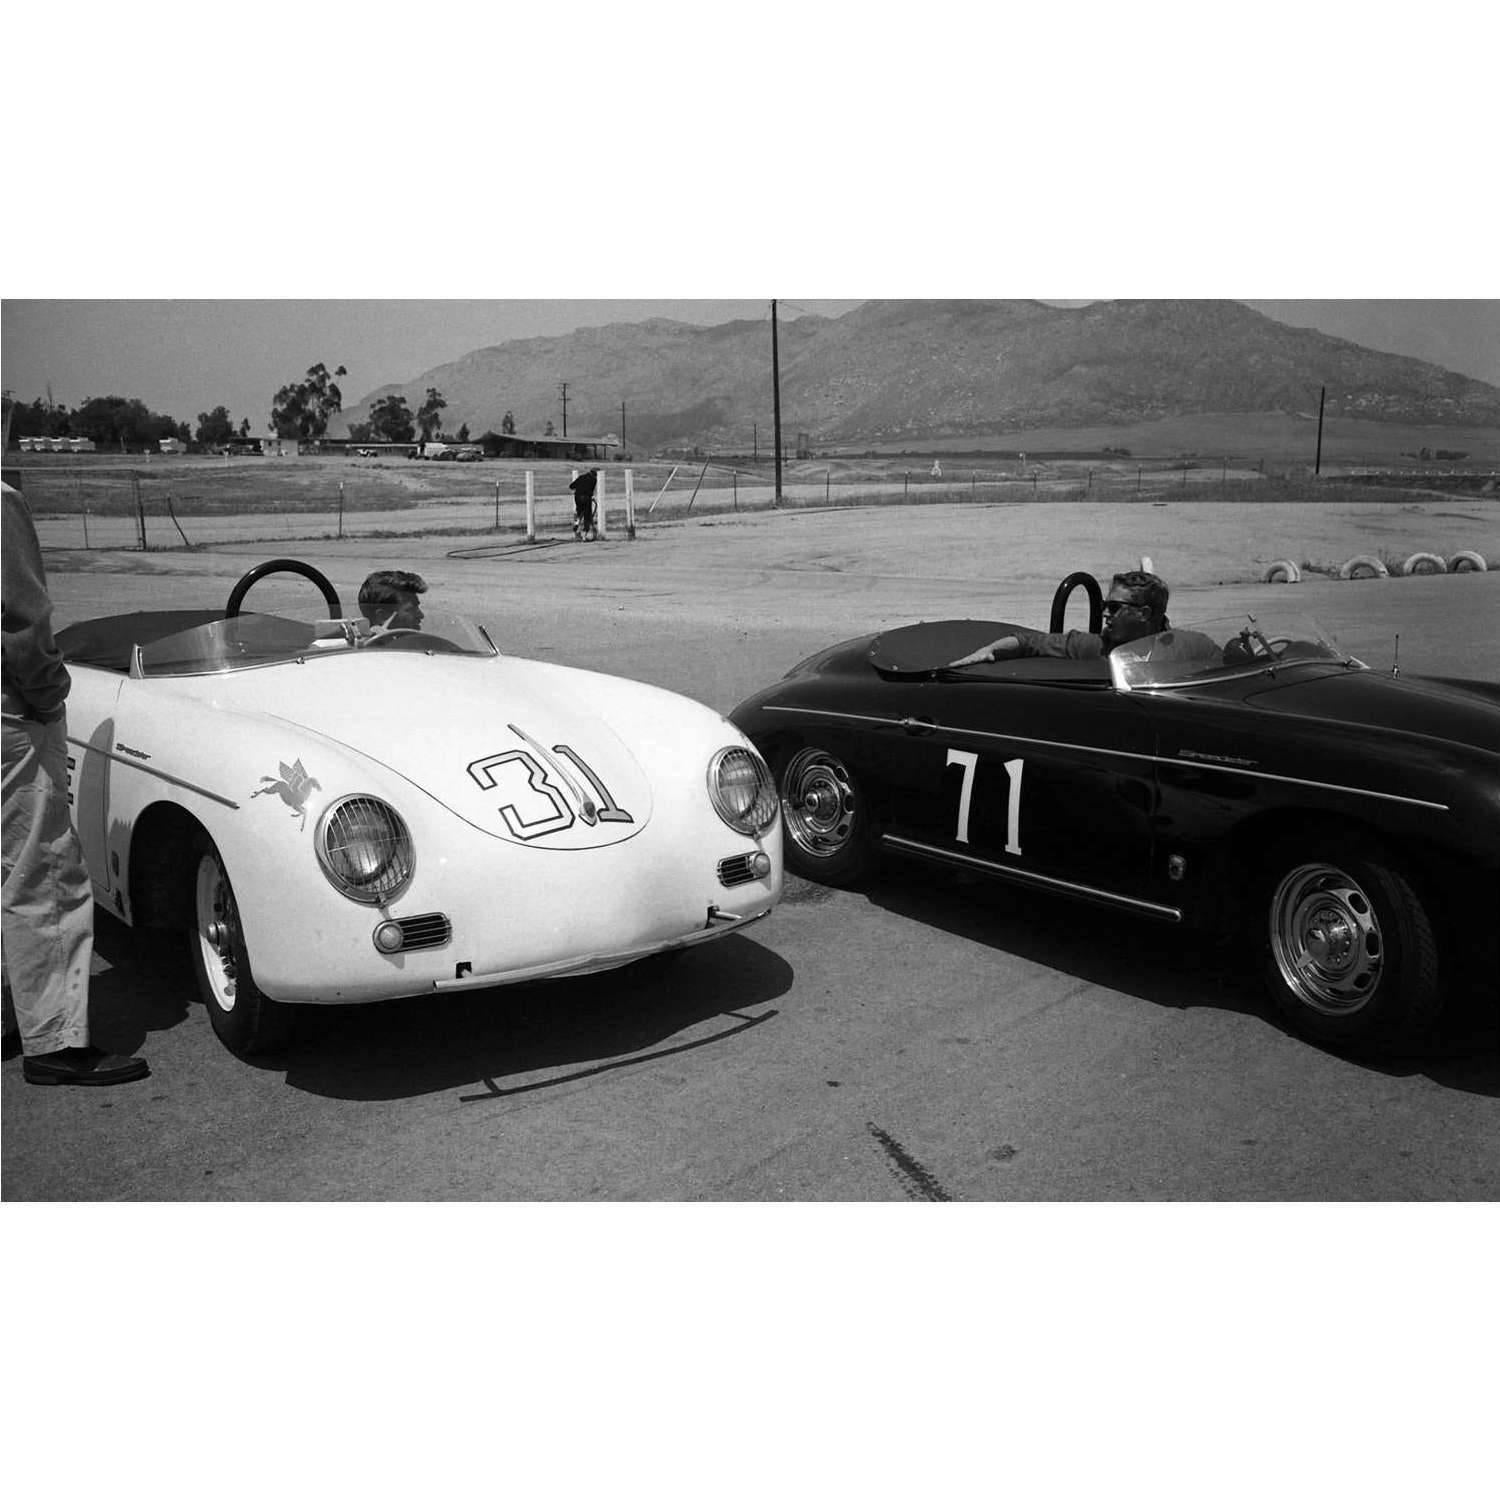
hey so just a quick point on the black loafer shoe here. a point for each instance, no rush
(88, 1065)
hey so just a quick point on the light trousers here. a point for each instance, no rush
(48, 914)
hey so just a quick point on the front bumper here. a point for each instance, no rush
(721, 924)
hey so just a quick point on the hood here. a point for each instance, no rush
(517, 748)
(1460, 713)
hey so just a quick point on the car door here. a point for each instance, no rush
(1045, 777)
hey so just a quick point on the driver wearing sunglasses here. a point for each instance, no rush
(1136, 606)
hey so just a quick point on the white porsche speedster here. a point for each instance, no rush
(335, 815)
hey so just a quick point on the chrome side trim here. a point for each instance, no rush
(984, 734)
(145, 770)
(1322, 786)
(828, 713)
(1030, 877)
(1160, 760)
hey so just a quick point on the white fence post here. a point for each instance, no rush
(530, 505)
(603, 531)
(630, 503)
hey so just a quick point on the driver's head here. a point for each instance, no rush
(390, 599)
(1136, 605)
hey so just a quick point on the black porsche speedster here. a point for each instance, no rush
(1246, 776)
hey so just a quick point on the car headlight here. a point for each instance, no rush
(365, 850)
(742, 789)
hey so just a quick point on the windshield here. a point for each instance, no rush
(263, 640)
(1222, 648)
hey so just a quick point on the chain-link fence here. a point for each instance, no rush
(190, 502)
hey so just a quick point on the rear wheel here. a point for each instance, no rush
(829, 834)
(1351, 953)
(244, 1019)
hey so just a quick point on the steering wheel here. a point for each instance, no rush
(1090, 585)
(1256, 646)
(282, 565)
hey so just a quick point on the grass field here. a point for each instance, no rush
(102, 502)
(107, 485)
(1281, 438)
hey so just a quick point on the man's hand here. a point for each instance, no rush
(996, 649)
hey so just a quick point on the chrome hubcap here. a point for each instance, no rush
(218, 922)
(1326, 939)
(818, 803)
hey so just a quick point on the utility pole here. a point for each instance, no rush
(562, 386)
(1318, 462)
(776, 399)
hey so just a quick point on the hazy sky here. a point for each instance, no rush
(185, 357)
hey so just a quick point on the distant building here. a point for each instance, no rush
(563, 449)
(55, 445)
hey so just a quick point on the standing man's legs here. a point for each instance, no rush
(48, 904)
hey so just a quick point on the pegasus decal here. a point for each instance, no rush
(294, 787)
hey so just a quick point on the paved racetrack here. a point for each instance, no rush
(924, 1038)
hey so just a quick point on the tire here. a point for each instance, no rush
(1364, 566)
(1282, 571)
(1350, 951)
(1423, 562)
(1467, 562)
(244, 1019)
(826, 817)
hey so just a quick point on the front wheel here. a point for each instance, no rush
(244, 1019)
(1351, 955)
(829, 834)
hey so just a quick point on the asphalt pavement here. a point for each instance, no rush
(924, 1039)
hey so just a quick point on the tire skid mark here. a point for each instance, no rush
(916, 1181)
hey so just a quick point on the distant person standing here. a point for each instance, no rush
(583, 487)
(48, 901)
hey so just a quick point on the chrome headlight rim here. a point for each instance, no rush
(760, 815)
(402, 852)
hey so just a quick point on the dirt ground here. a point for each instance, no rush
(715, 606)
(986, 557)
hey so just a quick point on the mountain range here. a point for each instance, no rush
(894, 371)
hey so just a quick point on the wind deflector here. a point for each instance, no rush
(107, 643)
